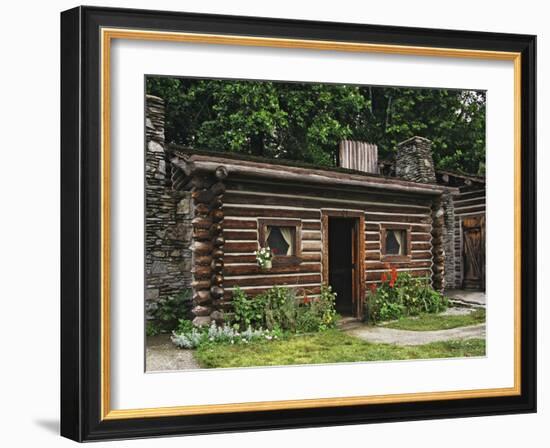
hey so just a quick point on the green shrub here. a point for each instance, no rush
(247, 312)
(273, 309)
(318, 314)
(279, 308)
(401, 295)
(184, 326)
(152, 329)
(167, 313)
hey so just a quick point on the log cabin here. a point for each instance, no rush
(207, 212)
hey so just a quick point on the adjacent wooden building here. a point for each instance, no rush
(469, 229)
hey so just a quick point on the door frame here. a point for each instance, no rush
(358, 251)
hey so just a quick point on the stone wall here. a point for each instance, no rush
(438, 244)
(449, 240)
(168, 216)
(414, 162)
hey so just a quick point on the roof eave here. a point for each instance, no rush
(206, 163)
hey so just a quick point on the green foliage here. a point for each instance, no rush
(247, 312)
(184, 326)
(305, 122)
(152, 329)
(168, 311)
(431, 322)
(318, 314)
(403, 295)
(279, 308)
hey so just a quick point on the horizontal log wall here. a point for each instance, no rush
(242, 211)
(470, 202)
(420, 222)
(245, 204)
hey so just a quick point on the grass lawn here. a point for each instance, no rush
(427, 322)
(328, 347)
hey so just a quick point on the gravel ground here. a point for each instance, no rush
(162, 355)
(472, 298)
(406, 337)
(457, 311)
(381, 334)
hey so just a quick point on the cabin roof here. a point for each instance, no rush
(299, 172)
(461, 176)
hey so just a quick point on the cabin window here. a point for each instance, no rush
(395, 242)
(281, 240)
(283, 237)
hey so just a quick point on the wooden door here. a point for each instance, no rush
(473, 252)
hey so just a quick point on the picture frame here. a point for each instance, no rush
(86, 212)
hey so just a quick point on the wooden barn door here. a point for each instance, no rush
(473, 252)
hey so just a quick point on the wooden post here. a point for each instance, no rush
(208, 243)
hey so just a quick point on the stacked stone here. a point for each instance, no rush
(438, 245)
(168, 214)
(414, 162)
(449, 239)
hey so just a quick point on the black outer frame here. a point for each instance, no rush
(80, 223)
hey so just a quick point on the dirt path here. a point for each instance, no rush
(406, 337)
(467, 297)
(162, 355)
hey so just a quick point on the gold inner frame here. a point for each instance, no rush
(107, 35)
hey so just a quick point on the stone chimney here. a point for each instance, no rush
(154, 132)
(414, 160)
(358, 156)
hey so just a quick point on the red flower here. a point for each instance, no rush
(373, 288)
(384, 277)
(306, 300)
(393, 276)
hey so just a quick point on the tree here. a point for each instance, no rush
(454, 120)
(300, 121)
